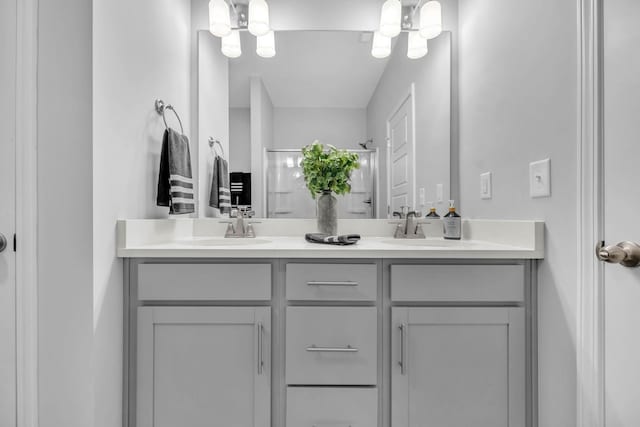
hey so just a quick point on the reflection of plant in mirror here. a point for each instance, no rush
(327, 170)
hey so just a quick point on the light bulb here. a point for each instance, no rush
(391, 18)
(258, 17)
(231, 46)
(381, 47)
(266, 45)
(417, 46)
(219, 18)
(431, 20)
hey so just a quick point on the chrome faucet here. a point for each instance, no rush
(241, 228)
(411, 227)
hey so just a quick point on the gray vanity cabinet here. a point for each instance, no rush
(202, 366)
(458, 367)
(458, 340)
(335, 342)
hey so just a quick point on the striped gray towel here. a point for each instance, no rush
(220, 195)
(175, 182)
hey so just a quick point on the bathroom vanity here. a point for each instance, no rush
(280, 332)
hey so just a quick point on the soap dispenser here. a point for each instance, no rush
(432, 212)
(452, 223)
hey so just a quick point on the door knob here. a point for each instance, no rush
(3, 242)
(625, 253)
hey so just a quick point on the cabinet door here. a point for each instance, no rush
(458, 367)
(203, 366)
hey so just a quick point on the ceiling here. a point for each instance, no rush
(312, 69)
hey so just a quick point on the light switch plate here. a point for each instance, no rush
(540, 178)
(439, 193)
(485, 185)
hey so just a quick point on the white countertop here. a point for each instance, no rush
(203, 238)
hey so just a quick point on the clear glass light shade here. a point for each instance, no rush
(381, 47)
(219, 18)
(266, 45)
(391, 18)
(431, 20)
(417, 46)
(258, 17)
(231, 46)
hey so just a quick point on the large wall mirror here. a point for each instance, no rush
(396, 113)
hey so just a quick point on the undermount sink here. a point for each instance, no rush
(221, 241)
(430, 243)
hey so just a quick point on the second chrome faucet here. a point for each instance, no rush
(409, 226)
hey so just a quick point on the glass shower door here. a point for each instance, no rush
(288, 196)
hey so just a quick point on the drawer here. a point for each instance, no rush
(332, 282)
(457, 283)
(204, 282)
(332, 407)
(331, 345)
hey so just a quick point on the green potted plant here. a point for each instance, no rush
(327, 171)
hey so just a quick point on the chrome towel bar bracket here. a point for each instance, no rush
(161, 108)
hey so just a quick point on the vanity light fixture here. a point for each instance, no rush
(231, 47)
(416, 46)
(381, 47)
(266, 45)
(431, 19)
(258, 17)
(254, 17)
(219, 18)
(391, 18)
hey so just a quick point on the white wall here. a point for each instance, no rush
(239, 140)
(213, 112)
(297, 127)
(432, 78)
(65, 242)
(141, 51)
(261, 138)
(518, 103)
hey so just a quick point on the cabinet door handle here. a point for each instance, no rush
(260, 348)
(403, 352)
(336, 283)
(347, 349)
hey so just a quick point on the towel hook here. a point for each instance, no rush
(213, 143)
(161, 108)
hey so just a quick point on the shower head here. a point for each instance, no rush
(366, 144)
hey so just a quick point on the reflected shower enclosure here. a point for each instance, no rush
(288, 196)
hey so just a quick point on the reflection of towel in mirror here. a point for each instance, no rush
(175, 183)
(220, 196)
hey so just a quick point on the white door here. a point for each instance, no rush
(7, 213)
(622, 209)
(401, 157)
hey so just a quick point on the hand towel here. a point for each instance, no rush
(175, 182)
(220, 195)
(344, 239)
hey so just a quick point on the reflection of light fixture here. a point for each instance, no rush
(431, 20)
(416, 46)
(289, 162)
(266, 45)
(231, 45)
(391, 18)
(258, 17)
(219, 18)
(381, 46)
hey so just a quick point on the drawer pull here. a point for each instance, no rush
(260, 348)
(402, 362)
(339, 283)
(347, 349)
